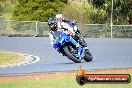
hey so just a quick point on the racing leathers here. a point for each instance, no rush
(73, 31)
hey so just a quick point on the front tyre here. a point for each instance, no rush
(88, 56)
(70, 55)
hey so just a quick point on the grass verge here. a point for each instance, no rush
(58, 80)
(64, 82)
(8, 58)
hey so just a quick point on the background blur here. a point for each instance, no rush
(29, 17)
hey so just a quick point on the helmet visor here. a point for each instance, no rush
(51, 25)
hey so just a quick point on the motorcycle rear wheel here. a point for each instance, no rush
(88, 56)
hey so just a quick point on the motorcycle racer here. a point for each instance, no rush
(53, 28)
(62, 24)
(52, 23)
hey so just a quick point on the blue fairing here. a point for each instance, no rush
(61, 39)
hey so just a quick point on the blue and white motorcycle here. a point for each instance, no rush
(66, 45)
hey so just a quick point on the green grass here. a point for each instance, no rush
(6, 58)
(58, 83)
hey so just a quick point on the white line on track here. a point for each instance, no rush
(29, 59)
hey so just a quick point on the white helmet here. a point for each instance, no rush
(59, 16)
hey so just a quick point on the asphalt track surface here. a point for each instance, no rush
(107, 53)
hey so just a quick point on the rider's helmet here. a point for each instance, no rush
(59, 17)
(52, 24)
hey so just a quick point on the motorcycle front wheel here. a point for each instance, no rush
(70, 55)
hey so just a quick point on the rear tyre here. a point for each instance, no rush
(88, 56)
(70, 55)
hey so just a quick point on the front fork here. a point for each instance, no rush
(79, 48)
(81, 52)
